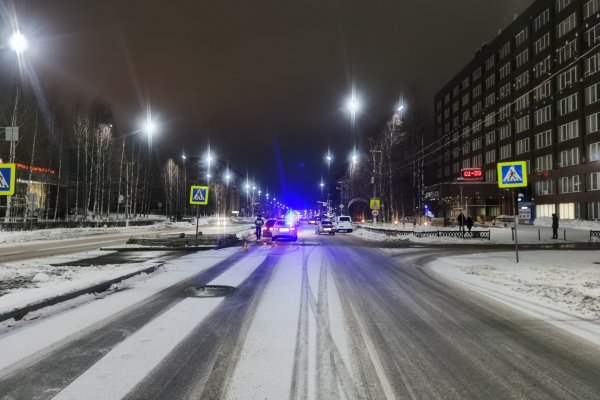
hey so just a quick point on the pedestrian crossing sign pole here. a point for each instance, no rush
(512, 174)
(7, 179)
(199, 197)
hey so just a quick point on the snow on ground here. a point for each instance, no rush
(559, 286)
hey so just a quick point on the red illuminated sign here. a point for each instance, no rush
(472, 174)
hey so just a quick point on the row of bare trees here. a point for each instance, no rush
(72, 163)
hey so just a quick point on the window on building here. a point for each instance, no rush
(455, 122)
(465, 83)
(476, 108)
(541, 44)
(505, 131)
(566, 25)
(456, 167)
(590, 8)
(438, 105)
(569, 157)
(593, 210)
(542, 68)
(567, 52)
(561, 5)
(455, 106)
(522, 146)
(504, 50)
(438, 118)
(490, 137)
(594, 152)
(543, 188)
(568, 131)
(466, 115)
(504, 90)
(543, 139)
(476, 126)
(476, 144)
(490, 81)
(591, 94)
(593, 182)
(541, 91)
(592, 123)
(567, 78)
(505, 151)
(504, 112)
(477, 74)
(504, 71)
(465, 99)
(522, 80)
(567, 104)
(447, 127)
(521, 124)
(489, 64)
(466, 163)
(455, 91)
(490, 156)
(543, 163)
(543, 115)
(569, 184)
(447, 98)
(490, 175)
(591, 64)
(446, 113)
(489, 100)
(541, 19)
(466, 148)
(592, 35)
(521, 37)
(466, 131)
(522, 102)
(490, 119)
(455, 152)
(477, 91)
(522, 58)
(477, 160)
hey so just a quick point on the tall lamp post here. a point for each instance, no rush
(183, 157)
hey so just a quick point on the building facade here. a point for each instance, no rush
(532, 94)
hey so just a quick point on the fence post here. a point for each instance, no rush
(512, 233)
(565, 234)
(539, 235)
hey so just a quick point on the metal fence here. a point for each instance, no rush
(479, 234)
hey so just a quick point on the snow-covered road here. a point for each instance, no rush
(327, 317)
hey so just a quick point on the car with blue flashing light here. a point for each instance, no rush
(344, 224)
(284, 229)
(325, 226)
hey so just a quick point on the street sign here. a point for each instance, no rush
(512, 174)
(11, 133)
(375, 204)
(341, 206)
(375, 213)
(199, 195)
(7, 179)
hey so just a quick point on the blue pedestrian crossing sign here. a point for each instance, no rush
(7, 179)
(199, 195)
(512, 174)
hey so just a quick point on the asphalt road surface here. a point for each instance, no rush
(323, 318)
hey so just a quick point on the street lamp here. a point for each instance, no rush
(183, 157)
(18, 43)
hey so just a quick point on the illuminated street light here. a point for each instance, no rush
(353, 104)
(18, 43)
(400, 108)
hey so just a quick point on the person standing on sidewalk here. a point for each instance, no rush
(554, 226)
(461, 221)
(258, 223)
(469, 223)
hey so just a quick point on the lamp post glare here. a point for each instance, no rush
(400, 107)
(353, 105)
(18, 43)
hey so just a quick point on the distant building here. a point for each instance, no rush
(532, 94)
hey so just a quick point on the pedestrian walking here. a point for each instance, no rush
(469, 223)
(554, 226)
(461, 221)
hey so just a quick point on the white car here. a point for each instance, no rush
(344, 224)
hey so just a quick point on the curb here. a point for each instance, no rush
(98, 288)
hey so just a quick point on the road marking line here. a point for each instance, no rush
(126, 365)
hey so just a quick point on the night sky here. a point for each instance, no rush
(260, 80)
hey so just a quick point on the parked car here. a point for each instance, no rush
(267, 229)
(325, 226)
(312, 220)
(283, 229)
(344, 224)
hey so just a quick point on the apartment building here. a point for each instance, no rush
(532, 94)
